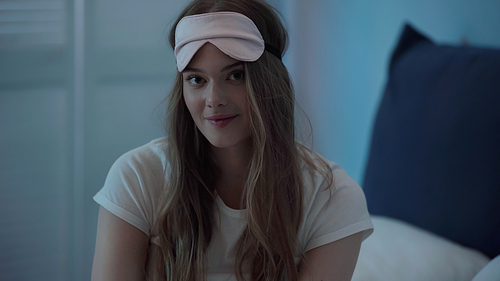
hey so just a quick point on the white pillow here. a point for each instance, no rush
(491, 272)
(398, 251)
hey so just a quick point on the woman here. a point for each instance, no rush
(228, 194)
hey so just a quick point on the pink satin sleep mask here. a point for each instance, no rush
(233, 33)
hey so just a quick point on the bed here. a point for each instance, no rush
(432, 180)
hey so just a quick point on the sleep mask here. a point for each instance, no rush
(233, 33)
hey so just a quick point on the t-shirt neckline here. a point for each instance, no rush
(239, 214)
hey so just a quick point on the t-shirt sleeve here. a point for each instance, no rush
(337, 212)
(132, 185)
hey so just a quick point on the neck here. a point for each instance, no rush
(232, 170)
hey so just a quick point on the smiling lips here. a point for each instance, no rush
(221, 120)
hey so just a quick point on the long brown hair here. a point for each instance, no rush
(273, 190)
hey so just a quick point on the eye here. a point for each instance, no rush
(195, 80)
(238, 75)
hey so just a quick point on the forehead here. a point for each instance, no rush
(210, 57)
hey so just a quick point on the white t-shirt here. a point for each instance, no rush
(135, 181)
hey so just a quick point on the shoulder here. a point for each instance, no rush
(324, 179)
(150, 157)
(320, 174)
(134, 184)
(334, 203)
(140, 171)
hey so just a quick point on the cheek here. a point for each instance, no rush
(192, 103)
(243, 101)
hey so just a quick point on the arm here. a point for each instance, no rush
(333, 261)
(120, 251)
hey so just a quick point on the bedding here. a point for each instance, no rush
(399, 251)
(491, 272)
(434, 158)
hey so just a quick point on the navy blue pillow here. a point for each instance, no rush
(435, 152)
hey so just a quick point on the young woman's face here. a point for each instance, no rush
(216, 95)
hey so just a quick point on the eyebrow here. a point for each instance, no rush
(225, 68)
(232, 66)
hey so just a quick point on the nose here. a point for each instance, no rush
(216, 96)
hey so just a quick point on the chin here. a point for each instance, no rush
(223, 143)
